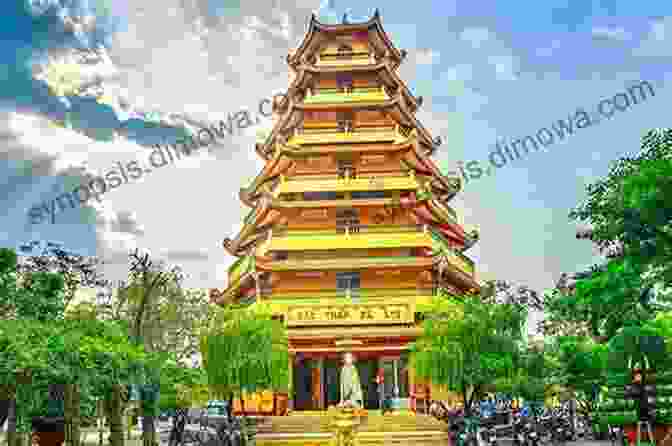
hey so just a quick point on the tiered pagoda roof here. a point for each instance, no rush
(428, 189)
(319, 32)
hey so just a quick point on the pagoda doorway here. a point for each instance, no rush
(366, 368)
(303, 384)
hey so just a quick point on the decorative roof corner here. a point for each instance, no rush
(472, 237)
(227, 244)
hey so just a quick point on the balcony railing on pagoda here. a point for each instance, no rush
(345, 59)
(361, 293)
(345, 183)
(352, 262)
(353, 229)
(340, 95)
(366, 238)
(334, 135)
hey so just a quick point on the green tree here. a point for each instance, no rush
(38, 299)
(469, 349)
(94, 354)
(582, 369)
(256, 350)
(76, 271)
(604, 300)
(632, 207)
(138, 300)
(630, 218)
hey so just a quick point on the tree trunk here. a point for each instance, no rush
(179, 421)
(101, 413)
(5, 399)
(67, 415)
(12, 438)
(229, 408)
(148, 430)
(71, 406)
(572, 412)
(115, 417)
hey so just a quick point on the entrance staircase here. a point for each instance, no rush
(374, 429)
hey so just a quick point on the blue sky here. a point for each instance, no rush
(139, 73)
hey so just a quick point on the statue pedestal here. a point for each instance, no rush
(344, 422)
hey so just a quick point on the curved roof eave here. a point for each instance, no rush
(316, 27)
(395, 103)
(455, 277)
(305, 73)
(449, 185)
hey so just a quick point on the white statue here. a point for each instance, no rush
(351, 387)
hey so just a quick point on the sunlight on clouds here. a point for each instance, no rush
(35, 132)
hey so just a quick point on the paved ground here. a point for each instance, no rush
(90, 437)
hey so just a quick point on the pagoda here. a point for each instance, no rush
(350, 235)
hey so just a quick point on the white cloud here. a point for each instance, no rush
(611, 33)
(476, 36)
(658, 42)
(427, 57)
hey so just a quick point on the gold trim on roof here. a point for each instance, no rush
(317, 34)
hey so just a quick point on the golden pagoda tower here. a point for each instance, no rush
(350, 235)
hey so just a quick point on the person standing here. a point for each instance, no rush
(380, 381)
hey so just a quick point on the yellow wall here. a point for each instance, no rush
(358, 80)
(290, 281)
(315, 118)
(325, 218)
(389, 163)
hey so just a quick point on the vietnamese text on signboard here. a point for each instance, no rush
(350, 314)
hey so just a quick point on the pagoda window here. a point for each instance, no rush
(347, 219)
(367, 194)
(346, 169)
(280, 255)
(348, 283)
(344, 52)
(318, 196)
(344, 83)
(345, 121)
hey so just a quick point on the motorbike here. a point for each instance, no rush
(489, 433)
(466, 432)
(531, 435)
(518, 432)
(560, 431)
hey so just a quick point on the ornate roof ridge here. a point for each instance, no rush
(397, 102)
(316, 27)
(308, 71)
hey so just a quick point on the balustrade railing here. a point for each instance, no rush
(353, 292)
(303, 131)
(345, 91)
(345, 174)
(351, 228)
